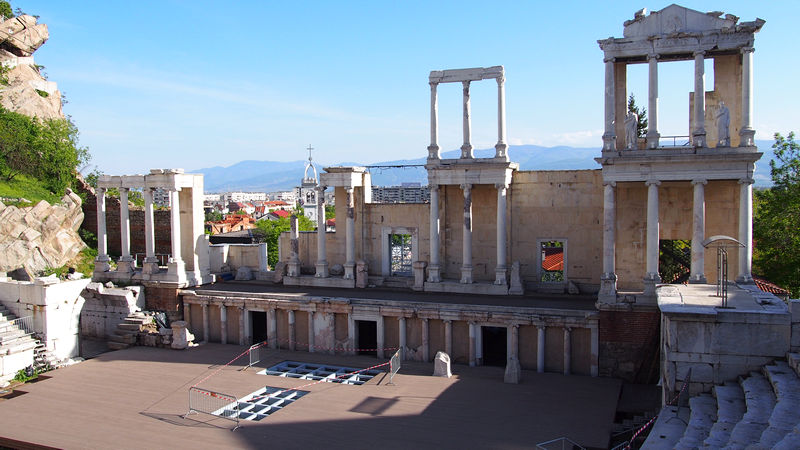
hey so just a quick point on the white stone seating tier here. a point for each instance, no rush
(760, 411)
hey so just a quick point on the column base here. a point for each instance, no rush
(513, 374)
(176, 267)
(608, 288)
(150, 266)
(699, 139)
(609, 143)
(322, 270)
(466, 275)
(433, 274)
(126, 264)
(350, 271)
(650, 281)
(501, 151)
(433, 152)
(419, 275)
(698, 278)
(744, 279)
(102, 263)
(466, 151)
(653, 140)
(501, 276)
(747, 137)
(293, 269)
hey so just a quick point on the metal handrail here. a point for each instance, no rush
(23, 323)
(675, 141)
(564, 441)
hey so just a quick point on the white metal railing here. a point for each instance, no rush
(23, 323)
(562, 443)
(684, 141)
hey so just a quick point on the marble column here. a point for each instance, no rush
(747, 133)
(745, 231)
(594, 365)
(652, 276)
(401, 328)
(699, 131)
(206, 324)
(101, 262)
(501, 149)
(501, 269)
(292, 330)
(311, 332)
(512, 341)
(652, 112)
(351, 335)
(293, 268)
(322, 262)
(434, 267)
(272, 328)
(150, 264)
(241, 325)
(466, 149)
(448, 337)
(426, 340)
(466, 265)
(350, 237)
(698, 233)
(187, 314)
(223, 324)
(610, 135)
(540, 336)
(433, 149)
(472, 346)
(126, 263)
(381, 334)
(176, 264)
(567, 350)
(608, 280)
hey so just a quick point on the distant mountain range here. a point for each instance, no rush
(270, 176)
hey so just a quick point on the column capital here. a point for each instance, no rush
(655, 56)
(502, 185)
(100, 190)
(699, 52)
(697, 181)
(465, 84)
(652, 182)
(746, 181)
(747, 49)
(500, 80)
(567, 329)
(466, 187)
(433, 187)
(449, 322)
(433, 84)
(609, 59)
(348, 189)
(540, 325)
(610, 183)
(515, 326)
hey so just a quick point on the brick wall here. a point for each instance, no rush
(629, 345)
(164, 299)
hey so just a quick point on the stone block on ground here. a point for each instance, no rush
(337, 270)
(181, 337)
(280, 272)
(441, 365)
(244, 274)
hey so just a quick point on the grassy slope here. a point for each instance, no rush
(28, 188)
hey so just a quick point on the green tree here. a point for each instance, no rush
(17, 155)
(641, 127)
(330, 211)
(776, 254)
(5, 9)
(270, 230)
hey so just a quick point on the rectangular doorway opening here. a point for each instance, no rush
(258, 325)
(366, 337)
(552, 261)
(494, 346)
(401, 255)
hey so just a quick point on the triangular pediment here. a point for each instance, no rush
(677, 19)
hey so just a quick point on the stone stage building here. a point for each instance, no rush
(555, 271)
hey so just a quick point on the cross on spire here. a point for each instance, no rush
(309, 151)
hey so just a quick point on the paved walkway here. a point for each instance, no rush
(135, 398)
(533, 300)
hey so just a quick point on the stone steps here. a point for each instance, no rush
(126, 333)
(761, 411)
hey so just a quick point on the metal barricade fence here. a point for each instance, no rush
(213, 403)
(394, 365)
(255, 353)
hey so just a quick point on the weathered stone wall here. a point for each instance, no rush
(629, 344)
(40, 236)
(164, 299)
(105, 308)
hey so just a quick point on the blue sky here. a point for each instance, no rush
(197, 84)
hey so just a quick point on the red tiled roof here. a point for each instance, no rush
(553, 259)
(281, 213)
(330, 222)
(768, 286)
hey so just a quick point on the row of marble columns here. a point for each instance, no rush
(501, 270)
(697, 274)
(126, 261)
(501, 148)
(475, 351)
(747, 132)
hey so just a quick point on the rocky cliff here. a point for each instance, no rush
(25, 90)
(40, 236)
